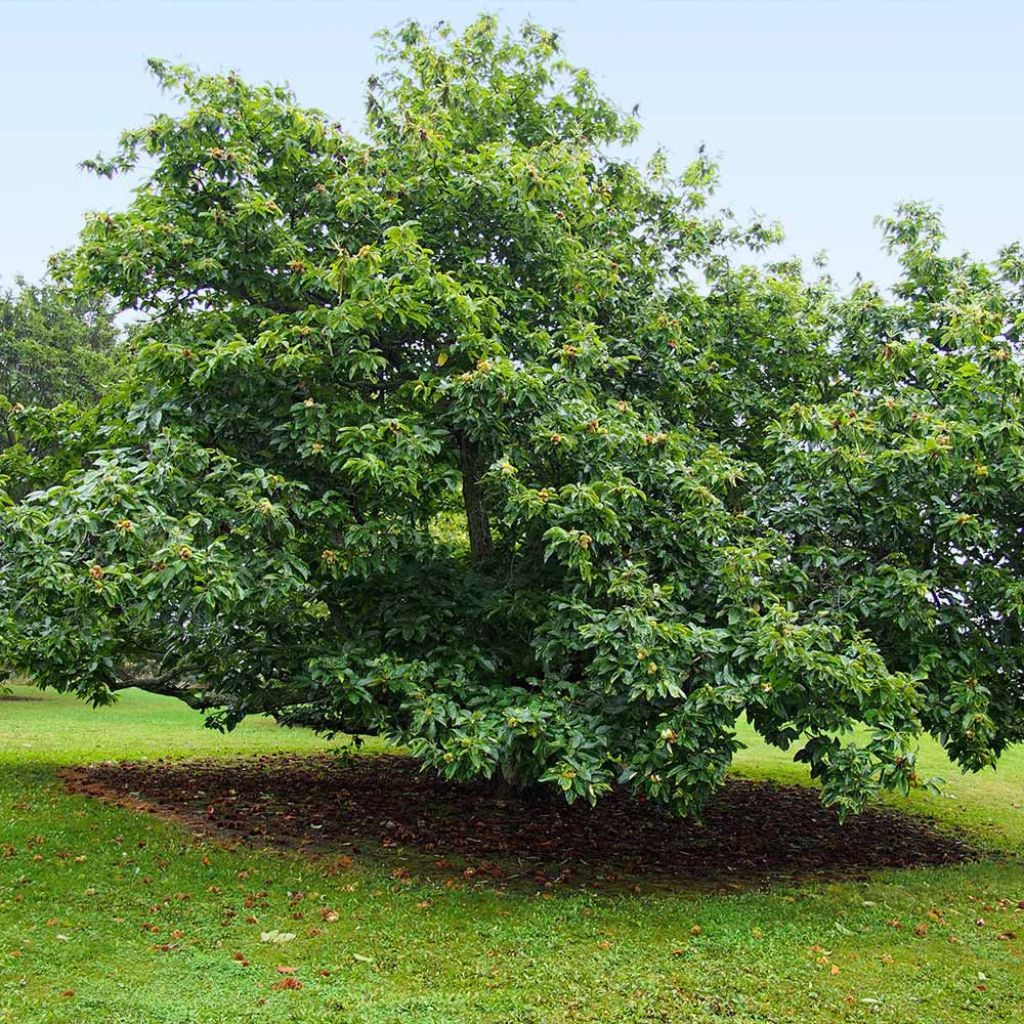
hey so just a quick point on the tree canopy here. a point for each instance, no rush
(56, 345)
(471, 432)
(58, 353)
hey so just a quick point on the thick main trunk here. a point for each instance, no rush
(515, 783)
(481, 544)
(507, 792)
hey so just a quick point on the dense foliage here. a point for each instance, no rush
(55, 345)
(474, 434)
(58, 354)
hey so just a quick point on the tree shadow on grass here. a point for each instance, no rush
(753, 833)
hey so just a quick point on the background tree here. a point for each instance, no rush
(474, 434)
(58, 354)
(55, 345)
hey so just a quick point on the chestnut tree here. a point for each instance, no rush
(468, 431)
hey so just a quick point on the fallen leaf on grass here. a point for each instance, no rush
(330, 916)
(286, 983)
(362, 959)
(834, 970)
(281, 969)
(276, 936)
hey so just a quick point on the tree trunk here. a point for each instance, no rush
(513, 791)
(481, 545)
(513, 783)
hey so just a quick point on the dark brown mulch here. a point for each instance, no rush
(752, 831)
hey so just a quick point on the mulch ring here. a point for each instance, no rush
(752, 833)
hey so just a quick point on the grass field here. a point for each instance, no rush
(80, 879)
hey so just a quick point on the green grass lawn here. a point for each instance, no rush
(79, 879)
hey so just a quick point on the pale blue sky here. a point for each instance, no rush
(823, 113)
